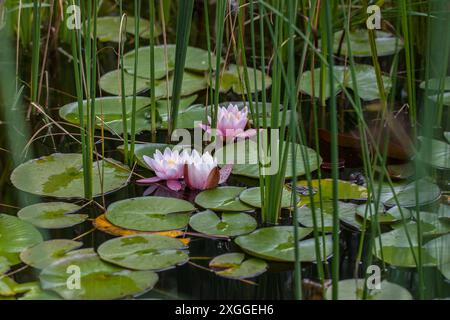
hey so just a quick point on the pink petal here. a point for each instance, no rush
(247, 133)
(174, 185)
(213, 179)
(149, 180)
(225, 173)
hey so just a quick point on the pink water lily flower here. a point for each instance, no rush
(168, 166)
(202, 172)
(231, 123)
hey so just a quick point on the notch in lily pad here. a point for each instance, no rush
(235, 266)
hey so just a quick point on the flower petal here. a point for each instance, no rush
(149, 180)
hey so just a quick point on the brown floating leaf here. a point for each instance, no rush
(102, 224)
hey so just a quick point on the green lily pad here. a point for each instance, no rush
(52, 215)
(387, 44)
(440, 153)
(109, 113)
(233, 266)
(272, 243)
(5, 264)
(45, 253)
(428, 193)
(244, 155)
(444, 98)
(144, 252)
(252, 197)
(432, 224)
(61, 175)
(435, 84)
(305, 216)
(35, 292)
(347, 190)
(444, 212)
(439, 249)
(447, 136)
(390, 216)
(222, 199)
(196, 60)
(234, 78)
(150, 213)
(98, 280)
(110, 83)
(108, 28)
(396, 250)
(16, 236)
(229, 224)
(365, 79)
(401, 171)
(352, 289)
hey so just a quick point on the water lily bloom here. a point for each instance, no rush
(201, 171)
(231, 123)
(168, 166)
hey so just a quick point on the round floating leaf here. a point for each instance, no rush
(98, 280)
(45, 253)
(5, 264)
(401, 171)
(233, 266)
(305, 216)
(447, 136)
(244, 156)
(365, 79)
(108, 28)
(252, 197)
(16, 236)
(391, 216)
(443, 98)
(196, 60)
(110, 83)
(234, 78)
(144, 252)
(428, 193)
(396, 250)
(109, 113)
(52, 215)
(222, 199)
(352, 289)
(439, 249)
(437, 153)
(61, 176)
(387, 44)
(436, 84)
(150, 213)
(432, 224)
(444, 212)
(347, 190)
(35, 292)
(229, 224)
(272, 243)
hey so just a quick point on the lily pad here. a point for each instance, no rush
(396, 250)
(435, 84)
(439, 249)
(272, 243)
(440, 153)
(390, 216)
(352, 289)
(444, 98)
(428, 193)
(347, 190)
(52, 215)
(16, 236)
(110, 83)
(252, 197)
(98, 280)
(244, 155)
(35, 292)
(144, 252)
(109, 113)
(45, 253)
(234, 78)
(196, 60)
(387, 44)
(229, 224)
(108, 28)
(150, 213)
(222, 199)
(61, 175)
(305, 216)
(365, 80)
(233, 266)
